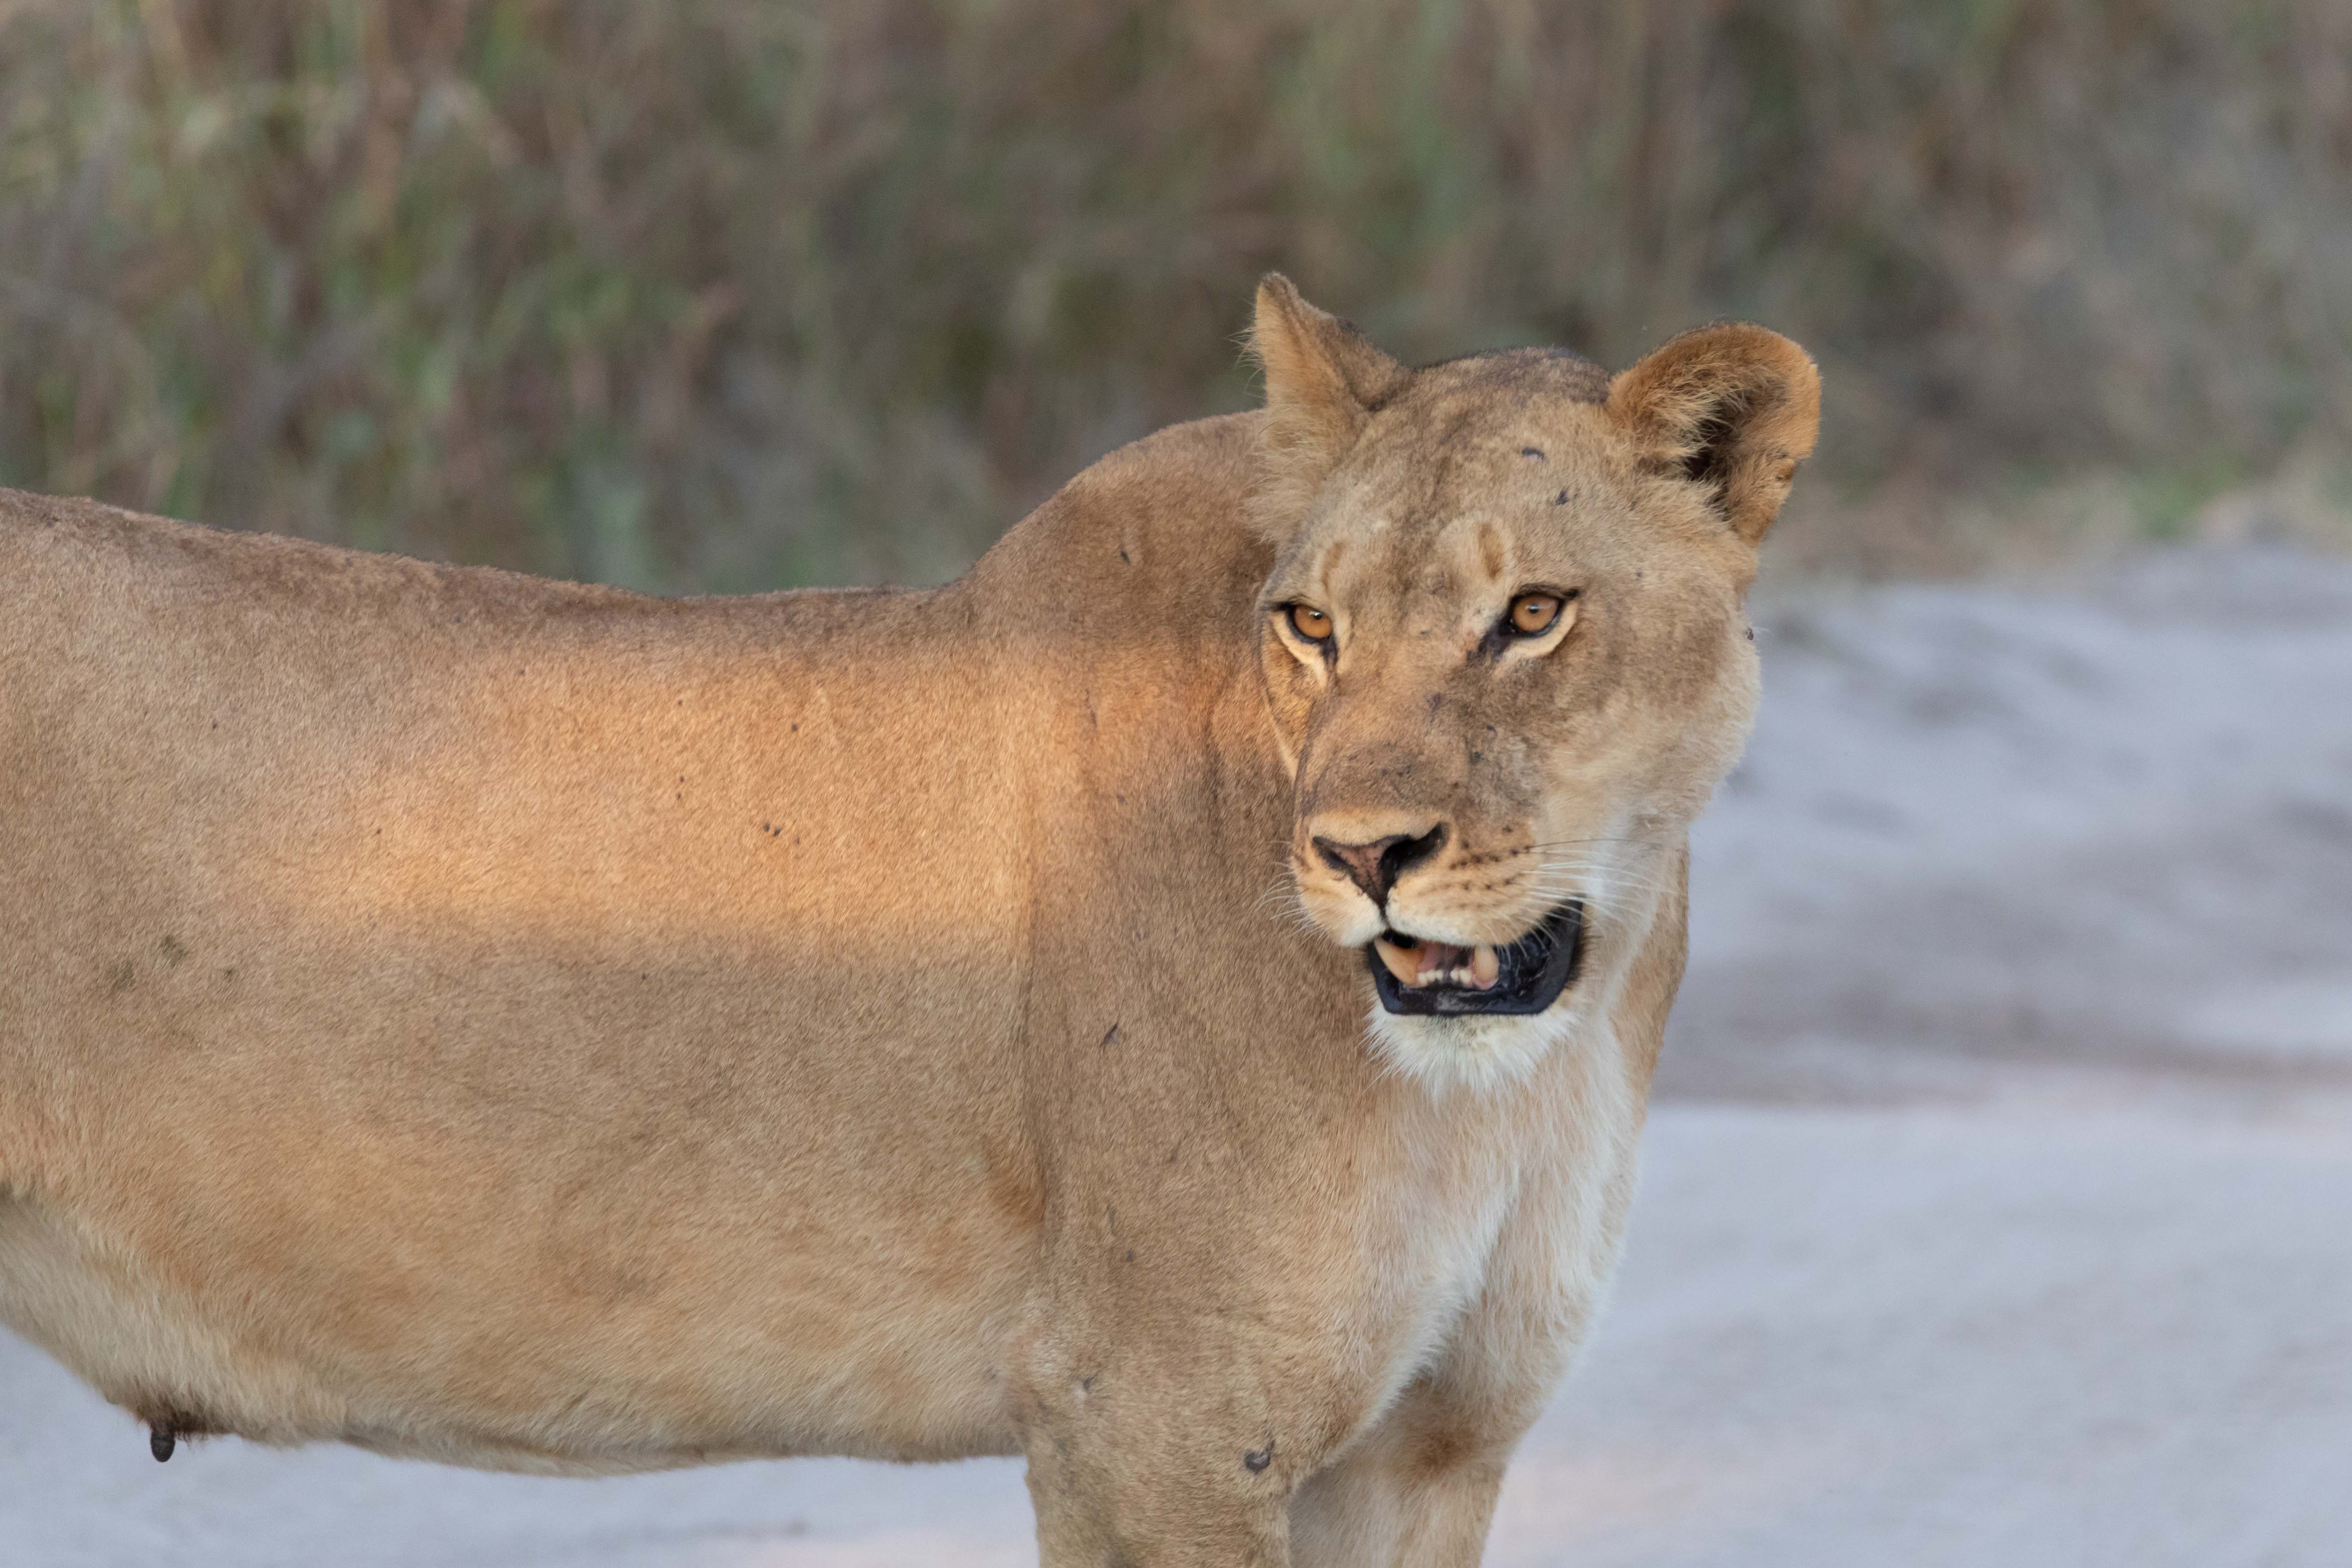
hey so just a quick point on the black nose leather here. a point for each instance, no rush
(1375, 866)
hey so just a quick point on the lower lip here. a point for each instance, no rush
(1516, 994)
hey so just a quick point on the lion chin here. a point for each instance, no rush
(1476, 1054)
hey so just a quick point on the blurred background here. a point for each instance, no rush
(2000, 1162)
(725, 294)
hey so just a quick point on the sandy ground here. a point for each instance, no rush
(1998, 1200)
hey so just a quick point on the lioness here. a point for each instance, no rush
(1176, 1003)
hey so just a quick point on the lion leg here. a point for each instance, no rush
(1138, 1463)
(1103, 1507)
(1418, 1491)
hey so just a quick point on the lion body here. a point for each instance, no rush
(531, 1025)
(539, 1026)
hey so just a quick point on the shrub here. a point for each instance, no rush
(721, 293)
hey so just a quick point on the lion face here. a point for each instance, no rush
(1506, 656)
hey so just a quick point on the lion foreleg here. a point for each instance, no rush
(1106, 1503)
(1414, 1493)
(1170, 1458)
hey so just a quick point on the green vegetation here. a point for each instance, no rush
(724, 294)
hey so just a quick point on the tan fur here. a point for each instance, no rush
(534, 1026)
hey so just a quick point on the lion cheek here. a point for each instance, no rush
(1288, 711)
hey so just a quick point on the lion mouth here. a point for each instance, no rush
(1437, 979)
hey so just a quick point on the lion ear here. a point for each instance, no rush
(1323, 380)
(1732, 407)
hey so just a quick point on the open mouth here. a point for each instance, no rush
(1436, 979)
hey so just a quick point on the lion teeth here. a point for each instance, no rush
(1404, 965)
(1420, 963)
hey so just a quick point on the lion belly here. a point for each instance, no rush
(562, 1375)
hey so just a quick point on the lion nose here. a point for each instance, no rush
(1375, 866)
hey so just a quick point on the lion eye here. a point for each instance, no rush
(1310, 622)
(1532, 615)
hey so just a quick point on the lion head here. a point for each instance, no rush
(1506, 656)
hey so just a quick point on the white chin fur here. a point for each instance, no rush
(1494, 1051)
(1475, 1053)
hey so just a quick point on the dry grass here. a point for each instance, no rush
(721, 294)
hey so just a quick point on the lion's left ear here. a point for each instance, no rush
(1732, 407)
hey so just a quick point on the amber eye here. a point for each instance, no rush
(1310, 623)
(1532, 615)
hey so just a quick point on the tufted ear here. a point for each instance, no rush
(1323, 380)
(1732, 407)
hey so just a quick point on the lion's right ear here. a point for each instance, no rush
(1323, 380)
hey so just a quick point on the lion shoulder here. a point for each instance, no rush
(1153, 532)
